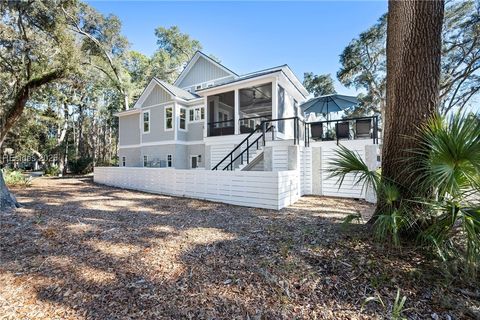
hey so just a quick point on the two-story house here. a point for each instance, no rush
(209, 110)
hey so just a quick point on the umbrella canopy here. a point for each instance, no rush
(329, 103)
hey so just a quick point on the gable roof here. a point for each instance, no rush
(192, 62)
(169, 88)
(176, 91)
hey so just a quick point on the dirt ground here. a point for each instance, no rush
(79, 250)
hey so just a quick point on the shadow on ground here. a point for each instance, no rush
(80, 250)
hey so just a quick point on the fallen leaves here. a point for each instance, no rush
(80, 250)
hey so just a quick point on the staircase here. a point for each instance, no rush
(246, 152)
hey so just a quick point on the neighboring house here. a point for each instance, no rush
(209, 109)
(245, 133)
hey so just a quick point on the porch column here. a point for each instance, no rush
(205, 121)
(236, 112)
(275, 105)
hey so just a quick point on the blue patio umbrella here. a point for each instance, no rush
(329, 103)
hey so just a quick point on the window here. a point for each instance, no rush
(169, 160)
(168, 118)
(183, 119)
(145, 161)
(123, 161)
(197, 114)
(146, 121)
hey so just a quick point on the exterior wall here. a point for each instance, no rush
(157, 95)
(132, 157)
(202, 71)
(158, 153)
(270, 190)
(198, 150)
(129, 130)
(157, 125)
(195, 131)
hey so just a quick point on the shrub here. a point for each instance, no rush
(81, 165)
(15, 178)
(51, 170)
(446, 165)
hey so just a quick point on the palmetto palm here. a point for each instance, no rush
(446, 167)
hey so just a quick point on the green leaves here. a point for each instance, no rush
(318, 85)
(349, 162)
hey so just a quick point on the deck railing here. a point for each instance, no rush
(221, 128)
(348, 128)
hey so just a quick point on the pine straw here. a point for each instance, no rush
(79, 250)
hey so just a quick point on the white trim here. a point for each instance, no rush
(208, 82)
(180, 119)
(193, 108)
(143, 122)
(161, 143)
(241, 84)
(192, 62)
(190, 163)
(165, 118)
(128, 112)
(158, 105)
(171, 160)
(145, 160)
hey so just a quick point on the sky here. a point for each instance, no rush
(250, 36)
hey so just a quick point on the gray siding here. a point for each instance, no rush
(132, 157)
(195, 131)
(157, 96)
(159, 153)
(202, 71)
(157, 126)
(181, 154)
(129, 128)
(195, 150)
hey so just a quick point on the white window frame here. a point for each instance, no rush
(199, 160)
(165, 118)
(124, 161)
(180, 118)
(198, 109)
(145, 160)
(171, 160)
(143, 121)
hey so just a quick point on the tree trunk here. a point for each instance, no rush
(413, 76)
(7, 200)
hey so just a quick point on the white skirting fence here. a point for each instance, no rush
(260, 189)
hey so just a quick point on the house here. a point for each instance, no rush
(204, 114)
(237, 139)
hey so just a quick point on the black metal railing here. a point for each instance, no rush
(248, 144)
(245, 124)
(297, 133)
(348, 128)
(221, 128)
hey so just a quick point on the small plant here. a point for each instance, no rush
(51, 170)
(398, 305)
(15, 178)
(349, 219)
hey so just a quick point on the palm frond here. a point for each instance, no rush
(348, 162)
